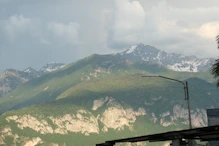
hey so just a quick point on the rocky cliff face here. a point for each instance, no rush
(113, 117)
(10, 79)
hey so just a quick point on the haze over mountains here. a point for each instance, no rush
(103, 97)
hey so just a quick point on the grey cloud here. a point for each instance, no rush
(18, 26)
(33, 33)
(66, 32)
(128, 22)
(62, 31)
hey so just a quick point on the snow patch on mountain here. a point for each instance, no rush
(131, 49)
(172, 61)
(49, 67)
(27, 70)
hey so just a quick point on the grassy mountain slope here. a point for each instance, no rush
(101, 98)
(50, 86)
(118, 95)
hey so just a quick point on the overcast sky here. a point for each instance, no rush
(35, 32)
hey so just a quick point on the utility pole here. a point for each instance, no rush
(186, 92)
(188, 102)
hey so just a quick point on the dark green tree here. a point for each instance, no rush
(215, 67)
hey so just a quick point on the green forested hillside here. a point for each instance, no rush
(101, 98)
(95, 67)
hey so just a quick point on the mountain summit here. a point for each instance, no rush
(172, 61)
(49, 67)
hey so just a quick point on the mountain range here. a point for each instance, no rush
(176, 62)
(12, 78)
(103, 97)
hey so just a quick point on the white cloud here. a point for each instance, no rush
(67, 32)
(30, 29)
(129, 20)
(20, 29)
(16, 25)
(209, 30)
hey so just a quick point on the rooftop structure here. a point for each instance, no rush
(177, 137)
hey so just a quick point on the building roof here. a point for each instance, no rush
(213, 112)
(203, 134)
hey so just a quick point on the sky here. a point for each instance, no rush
(36, 32)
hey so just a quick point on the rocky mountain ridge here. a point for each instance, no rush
(12, 78)
(49, 67)
(176, 62)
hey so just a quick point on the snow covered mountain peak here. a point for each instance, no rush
(131, 49)
(49, 67)
(176, 62)
(141, 48)
(29, 70)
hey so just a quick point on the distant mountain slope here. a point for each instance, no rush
(31, 73)
(11, 78)
(176, 62)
